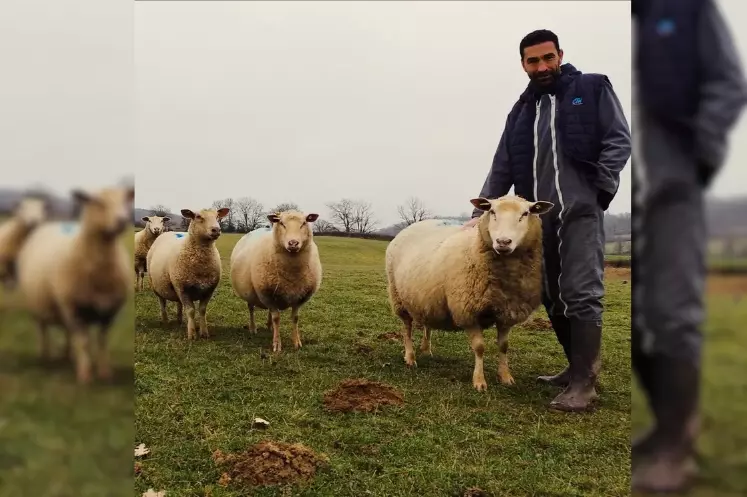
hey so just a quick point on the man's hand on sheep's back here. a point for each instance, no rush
(471, 223)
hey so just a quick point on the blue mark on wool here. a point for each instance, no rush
(180, 234)
(665, 27)
(69, 228)
(577, 101)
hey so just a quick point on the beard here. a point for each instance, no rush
(545, 82)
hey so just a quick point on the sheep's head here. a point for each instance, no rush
(205, 224)
(108, 211)
(292, 230)
(510, 220)
(31, 211)
(156, 224)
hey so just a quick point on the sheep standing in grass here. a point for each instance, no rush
(444, 277)
(79, 274)
(154, 226)
(277, 269)
(186, 268)
(27, 216)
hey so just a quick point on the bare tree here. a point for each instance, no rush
(413, 211)
(160, 210)
(343, 213)
(363, 220)
(250, 213)
(285, 206)
(227, 223)
(323, 226)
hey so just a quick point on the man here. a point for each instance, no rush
(566, 140)
(692, 91)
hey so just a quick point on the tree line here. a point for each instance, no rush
(348, 216)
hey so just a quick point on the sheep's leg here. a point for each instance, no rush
(425, 344)
(407, 339)
(164, 314)
(67, 352)
(275, 317)
(203, 317)
(179, 313)
(44, 341)
(269, 320)
(252, 322)
(477, 342)
(102, 358)
(296, 333)
(137, 279)
(189, 304)
(504, 375)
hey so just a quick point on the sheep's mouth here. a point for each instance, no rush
(503, 250)
(293, 250)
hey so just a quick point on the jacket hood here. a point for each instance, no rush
(567, 73)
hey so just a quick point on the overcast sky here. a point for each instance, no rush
(301, 101)
(311, 102)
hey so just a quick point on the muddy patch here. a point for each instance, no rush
(735, 285)
(475, 492)
(538, 324)
(617, 273)
(389, 336)
(269, 463)
(361, 395)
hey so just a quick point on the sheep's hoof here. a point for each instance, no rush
(480, 385)
(506, 379)
(105, 373)
(84, 377)
(426, 351)
(276, 347)
(204, 334)
(297, 345)
(411, 362)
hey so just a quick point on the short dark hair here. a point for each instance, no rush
(537, 37)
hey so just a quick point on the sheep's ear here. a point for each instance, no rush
(166, 219)
(311, 218)
(223, 212)
(481, 203)
(541, 207)
(188, 214)
(81, 196)
(145, 219)
(273, 218)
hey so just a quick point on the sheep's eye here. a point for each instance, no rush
(524, 215)
(303, 224)
(281, 224)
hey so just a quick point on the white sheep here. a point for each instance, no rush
(448, 278)
(186, 268)
(277, 269)
(78, 274)
(154, 226)
(29, 213)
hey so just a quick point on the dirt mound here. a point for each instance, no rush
(363, 349)
(617, 273)
(475, 492)
(727, 285)
(270, 463)
(389, 336)
(539, 324)
(361, 396)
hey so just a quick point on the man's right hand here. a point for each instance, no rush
(471, 223)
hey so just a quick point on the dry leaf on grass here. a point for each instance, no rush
(260, 423)
(153, 493)
(141, 450)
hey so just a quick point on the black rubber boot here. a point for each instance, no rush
(585, 345)
(665, 461)
(643, 366)
(561, 325)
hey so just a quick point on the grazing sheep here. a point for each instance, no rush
(277, 268)
(186, 268)
(448, 278)
(78, 274)
(30, 212)
(154, 226)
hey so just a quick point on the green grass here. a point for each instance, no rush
(194, 398)
(723, 440)
(57, 438)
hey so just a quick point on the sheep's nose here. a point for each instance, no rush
(215, 231)
(503, 242)
(293, 243)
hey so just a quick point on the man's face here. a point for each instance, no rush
(542, 63)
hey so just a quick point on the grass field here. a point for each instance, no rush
(723, 443)
(194, 398)
(56, 438)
